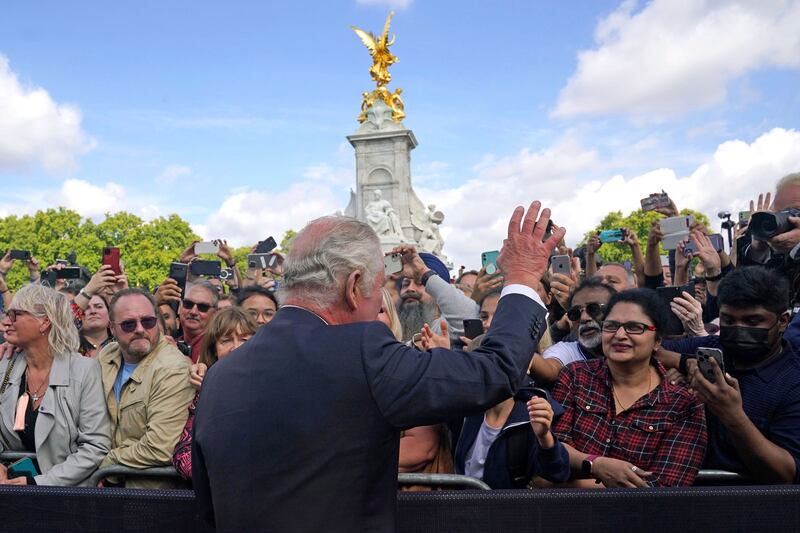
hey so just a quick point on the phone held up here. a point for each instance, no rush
(392, 264)
(20, 255)
(612, 235)
(206, 247)
(489, 261)
(473, 328)
(111, 258)
(560, 264)
(655, 201)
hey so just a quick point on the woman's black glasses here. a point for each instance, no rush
(129, 326)
(594, 310)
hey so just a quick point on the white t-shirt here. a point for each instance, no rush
(565, 352)
(476, 458)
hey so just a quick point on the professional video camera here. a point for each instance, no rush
(764, 225)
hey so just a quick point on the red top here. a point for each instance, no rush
(664, 432)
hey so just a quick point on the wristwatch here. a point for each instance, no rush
(715, 278)
(586, 466)
(423, 279)
(85, 294)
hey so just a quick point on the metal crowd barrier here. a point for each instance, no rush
(442, 480)
(10, 457)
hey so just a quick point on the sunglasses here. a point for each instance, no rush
(203, 308)
(594, 310)
(631, 328)
(129, 326)
(12, 314)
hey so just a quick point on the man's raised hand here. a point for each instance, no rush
(525, 257)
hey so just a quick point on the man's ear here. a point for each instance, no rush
(783, 321)
(352, 291)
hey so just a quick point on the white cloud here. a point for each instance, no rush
(35, 129)
(394, 4)
(246, 217)
(172, 173)
(477, 212)
(324, 173)
(89, 200)
(672, 57)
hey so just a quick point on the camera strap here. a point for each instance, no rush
(9, 368)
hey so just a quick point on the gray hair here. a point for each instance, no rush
(787, 180)
(324, 253)
(207, 285)
(40, 301)
(632, 282)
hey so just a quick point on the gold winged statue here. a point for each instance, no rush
(382, 59)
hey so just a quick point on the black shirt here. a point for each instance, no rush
(27, 435)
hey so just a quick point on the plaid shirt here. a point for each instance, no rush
(664, 432)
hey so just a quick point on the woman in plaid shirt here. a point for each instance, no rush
(625, 424)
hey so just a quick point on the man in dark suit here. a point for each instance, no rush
(298, 430)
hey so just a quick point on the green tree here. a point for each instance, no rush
(639, 222)
(146, 248)
(286, 241)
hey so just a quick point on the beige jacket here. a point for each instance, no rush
(152, 410)
(73, 431)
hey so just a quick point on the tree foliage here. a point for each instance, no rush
(639, 222)
(146, 248)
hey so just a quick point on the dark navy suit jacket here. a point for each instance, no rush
(298, 430)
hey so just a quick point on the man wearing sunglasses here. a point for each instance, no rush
(147, 392)
(587, 309)
(197, 308)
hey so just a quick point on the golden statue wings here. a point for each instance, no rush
(378, 48)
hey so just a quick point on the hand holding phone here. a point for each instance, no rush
(111, 258)
(21, 255)
(489, 261)
(206, 247)
(704, 357)
(392, 264)
(561, 264)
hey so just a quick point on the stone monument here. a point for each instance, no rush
(383, 196)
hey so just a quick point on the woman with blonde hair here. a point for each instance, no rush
(229, 329)
(51, 398)
(423, 449)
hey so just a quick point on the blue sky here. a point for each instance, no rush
(235, 117)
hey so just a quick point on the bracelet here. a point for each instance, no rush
(423, 279)
(715, 278)
(85, 294)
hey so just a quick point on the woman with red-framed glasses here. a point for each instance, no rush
(624, 423)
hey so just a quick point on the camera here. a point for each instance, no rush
(766, 225)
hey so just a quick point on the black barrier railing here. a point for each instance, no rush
(699, 509)
(9, 457)
(166, 472)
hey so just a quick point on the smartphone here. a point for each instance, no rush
(392, 264)
(689, 248)
(656, 201)
(205, 268)
(473, 327)
(266, 246)
(673, 324)
(526, 394)
(612, 235)
(560, 264)
(21, 255)
(262, 261)
(206, 247)
(489, 261)
(178, 272)
(68, 273)
(48, 278)
(111, 258)
(744, 218)
(675, 230)
(717, 242)
(23, 467)
(704, 357)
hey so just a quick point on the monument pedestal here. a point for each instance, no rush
(383, 184)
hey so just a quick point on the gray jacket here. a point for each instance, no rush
(454, 305)
(73, 429)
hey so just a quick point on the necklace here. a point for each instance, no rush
(35, 394)
(616, 398)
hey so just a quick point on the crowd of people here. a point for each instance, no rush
(101, 374)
